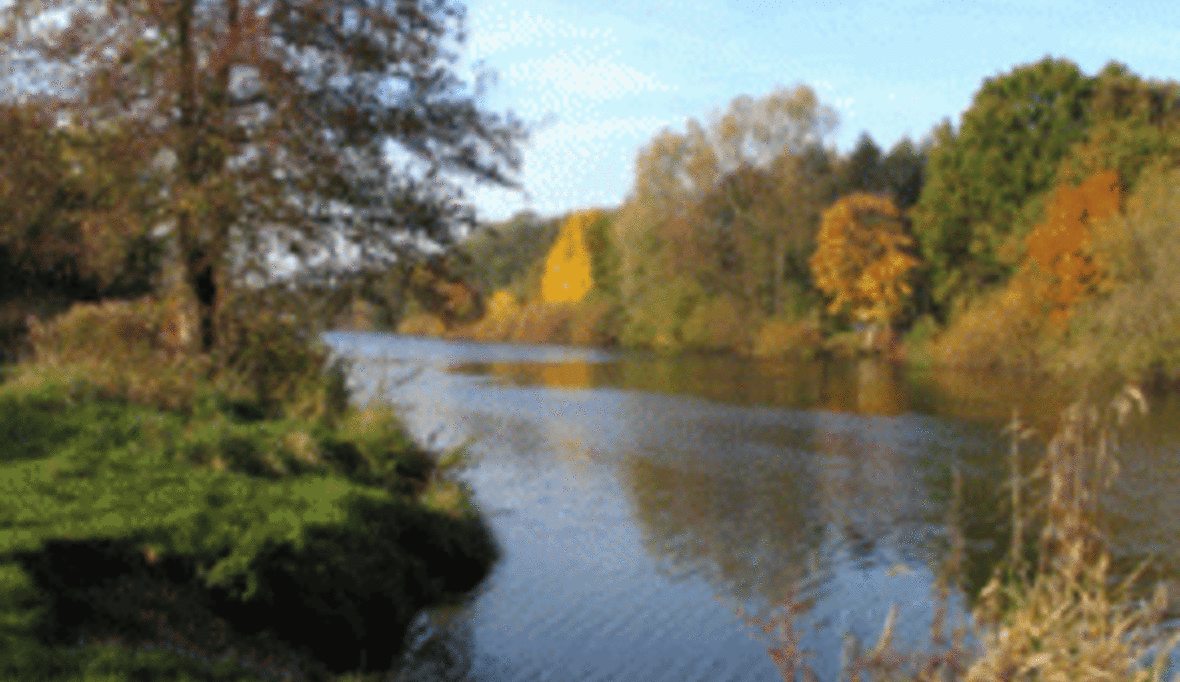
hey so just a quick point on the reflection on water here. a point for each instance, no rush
(640, 500)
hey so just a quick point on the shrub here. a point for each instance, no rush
(594, 322)
(1002, 329)
(780, 337)
(1135, 328)
(128, 350)
(545, 323)
(267, 361)
(919, 339)
(715, 324)
(275, 360)
(421, 324)
(654, 319)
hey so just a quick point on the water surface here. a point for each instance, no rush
(641, 501)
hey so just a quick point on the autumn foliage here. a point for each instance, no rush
(861, 260)
(567, 270)
(1060, 256)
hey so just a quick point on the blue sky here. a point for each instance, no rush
(610, 74)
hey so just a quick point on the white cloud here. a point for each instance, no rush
(574, 134)
(580, 75)
(494, 29)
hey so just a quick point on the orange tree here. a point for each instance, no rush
(1060, 258)
(862, 258)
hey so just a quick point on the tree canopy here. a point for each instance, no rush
(1012, 138)
(279, 125)
(732, 203)
(863, 260)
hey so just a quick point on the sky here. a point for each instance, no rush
(606, 75)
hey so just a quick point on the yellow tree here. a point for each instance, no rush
(1060, 259)
(567, 269)
(861, 259)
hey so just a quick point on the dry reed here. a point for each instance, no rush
(1058, 618)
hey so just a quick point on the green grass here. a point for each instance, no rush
(148, 538)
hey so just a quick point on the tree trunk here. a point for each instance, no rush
(195, 257)
(202, 280)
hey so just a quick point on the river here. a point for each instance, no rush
(641, 501)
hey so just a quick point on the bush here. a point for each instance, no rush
(1002, 330)
(919, 339)
(654, 320)
(595, 322)
(715, 324)
(1135, 328)
(421, 324)
(545, 323)
(780, 337)
(267, 362)
(129, 350)
(275, 360)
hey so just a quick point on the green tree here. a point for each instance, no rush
(605, 262)
(500, 253)
(270, 124)
(1135, 124)
(861, 170)
(903, 171)
(1018, 129)
(899, 173)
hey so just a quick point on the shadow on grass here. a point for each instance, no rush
(33, 427)
(343, 602)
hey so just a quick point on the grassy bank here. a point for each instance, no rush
(167, 520)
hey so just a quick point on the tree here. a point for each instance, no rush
(268, 124)
(904, 171)
(568, 266)
(1135, 123)
(69, 203)
(759, 225)
(969, 218)
(1060, 254)
(755, 132)
(862, 259)
(671, 173)
(899, 173)
(500, 253)
(861, 170)
(729, 203)
(604, 256)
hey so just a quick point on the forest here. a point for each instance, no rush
(1035, 235)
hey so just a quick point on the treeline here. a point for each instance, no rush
(1014, 239)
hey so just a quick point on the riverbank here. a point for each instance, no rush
(564, 324)
(922, 346)
(161, 525)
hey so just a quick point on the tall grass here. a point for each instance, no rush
(1051, 610)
